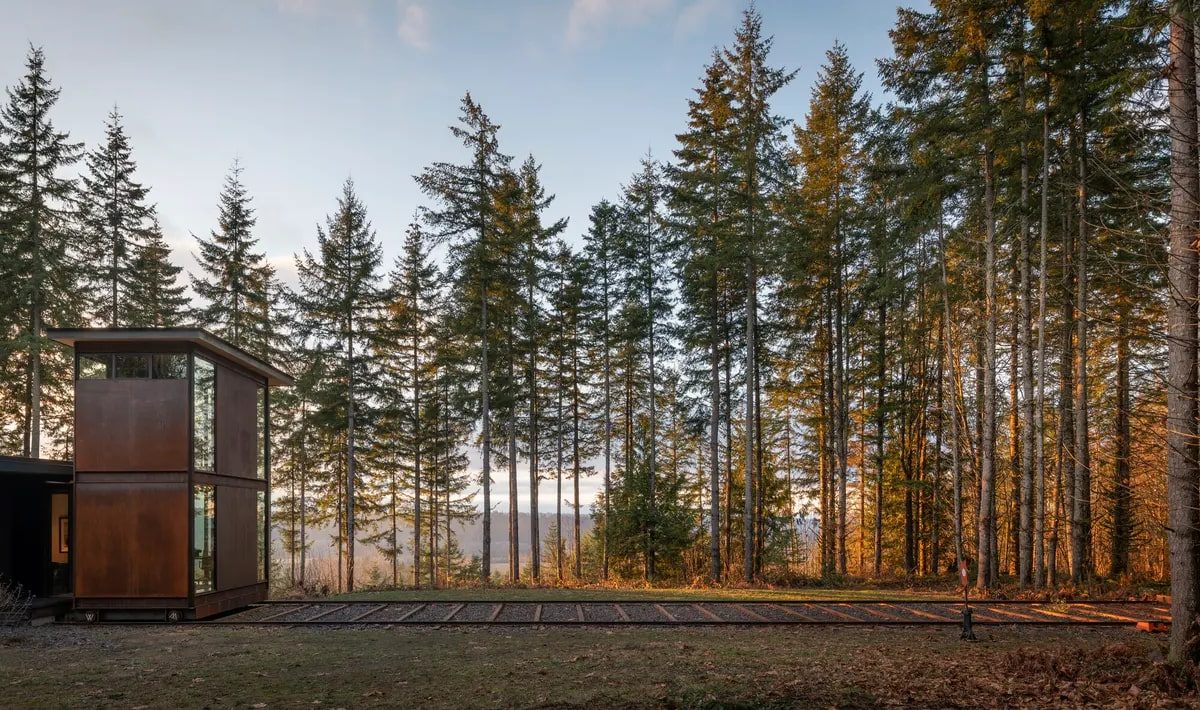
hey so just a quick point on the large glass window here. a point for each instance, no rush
(262, 536)
(204, 539)
(170, 367)
(95, 367)
(261, 441)
(132, 367)
(204, 420)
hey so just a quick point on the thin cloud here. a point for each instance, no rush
(696, 15)
(588, 20)
(413, 24)
(356, 11)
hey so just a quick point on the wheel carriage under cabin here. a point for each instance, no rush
(172, 492)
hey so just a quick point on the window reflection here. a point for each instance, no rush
(204, 537)
(262, 536)
(95, 367)
(204, 429)
(170, 367)
(261, 441)
(132, 367)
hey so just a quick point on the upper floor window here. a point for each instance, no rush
(132, 366)
(261, 441)
(204, 420)
(95, 367)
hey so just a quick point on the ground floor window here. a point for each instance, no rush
(262, 536)
(204, 538)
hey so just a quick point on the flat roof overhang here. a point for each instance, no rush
(36, 468)
(196, 336)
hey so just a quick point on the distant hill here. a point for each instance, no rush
(469, 537)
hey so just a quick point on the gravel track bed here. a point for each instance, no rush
(559, 611)
(728, 612)
(945, 612)
(392, 612)
(771, 612)
(301, 612)
(643, 612)
(350, 612)
(518, 612)
(476, 612)
(600, 613)
(254, 613)
(686, 612)
(436, 612)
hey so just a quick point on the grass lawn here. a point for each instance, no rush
(193, 666)
(550, 594)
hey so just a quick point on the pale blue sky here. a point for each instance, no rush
(306, 92)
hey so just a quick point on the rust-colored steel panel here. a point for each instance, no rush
(237, 537)
(131, 540)
(237, 433)
(131, 425)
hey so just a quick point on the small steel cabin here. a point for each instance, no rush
(172, 485)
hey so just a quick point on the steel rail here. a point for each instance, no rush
(677, 613)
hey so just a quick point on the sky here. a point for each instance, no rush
(305, 93)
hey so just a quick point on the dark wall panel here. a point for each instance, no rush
(131, 540)
(237, 537)
(237, 433)
(131, 425)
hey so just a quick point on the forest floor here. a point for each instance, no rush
(197, 666)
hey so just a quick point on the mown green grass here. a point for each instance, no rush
(569, 594)
(223, 667)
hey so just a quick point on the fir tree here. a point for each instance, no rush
(40, 258)
(340, 298)
(467, 218)
(115, 220)
(234, 281)
(156, 298)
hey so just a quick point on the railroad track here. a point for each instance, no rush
(698, 613)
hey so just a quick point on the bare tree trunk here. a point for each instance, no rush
(350, 466)
(1122, 495)
(751, 360)
(880, 428)
(987, 519)
(1025, 564)
(1183, 476)
(955, 462)
(485, 562)
(714, 525)
(1039, 534)
(514, 511)
(417, 434)
(1081, 528)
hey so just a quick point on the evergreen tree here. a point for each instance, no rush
(405, 429)
(156, 298)
(599, 251)
(701, 193)
(40, 256)
(760, 171)
(234, 280)
(830, 156)
(467, 218)
(340, 298)
(115, 220)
